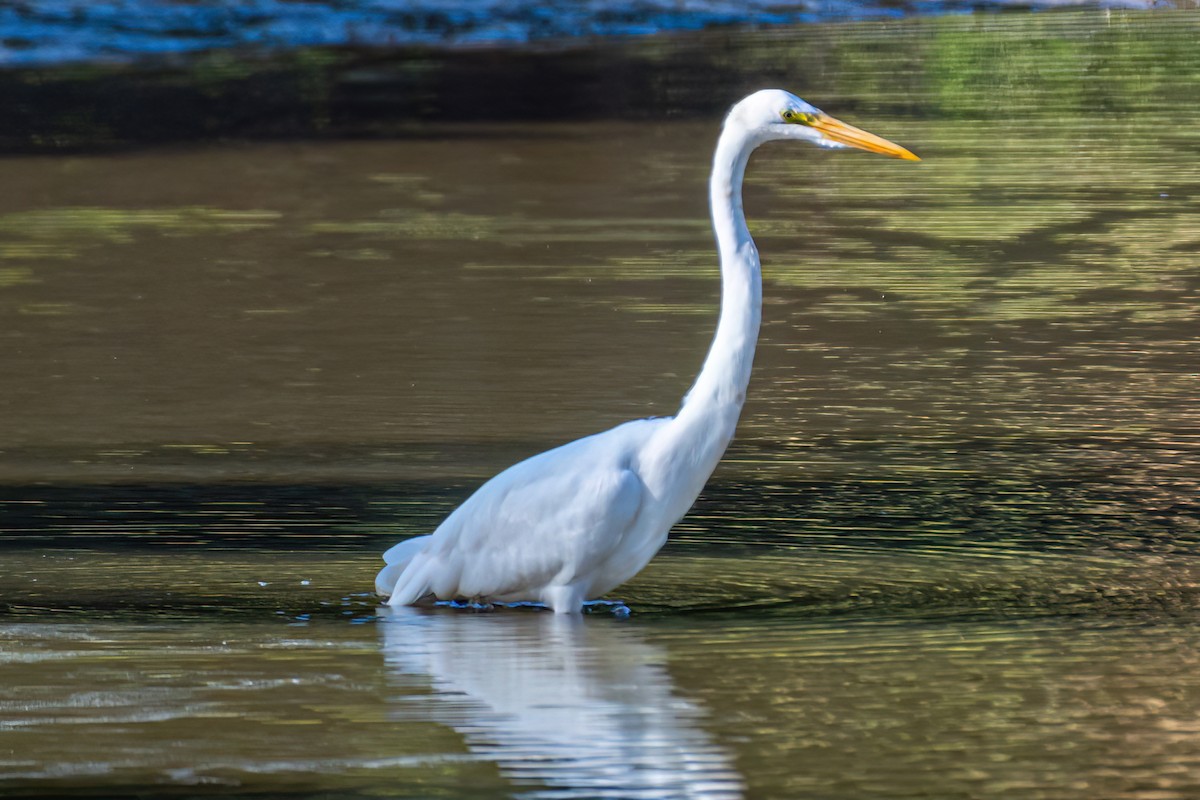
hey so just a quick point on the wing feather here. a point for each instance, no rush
(553, 519)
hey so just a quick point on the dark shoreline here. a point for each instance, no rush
(406, 92)
(348, 93)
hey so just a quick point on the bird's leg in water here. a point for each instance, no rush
(566, 599)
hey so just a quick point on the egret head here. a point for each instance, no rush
(775, 114)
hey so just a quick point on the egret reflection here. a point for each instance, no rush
(566, 707)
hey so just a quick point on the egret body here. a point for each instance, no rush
(573, 523)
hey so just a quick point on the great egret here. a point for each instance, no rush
(573, 523)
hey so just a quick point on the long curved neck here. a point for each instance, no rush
(717, 396)
(677, 463)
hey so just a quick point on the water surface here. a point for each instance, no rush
(58, 31)
(952, 553)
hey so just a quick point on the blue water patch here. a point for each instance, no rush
(42, 32)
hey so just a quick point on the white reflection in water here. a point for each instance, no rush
(571, 707)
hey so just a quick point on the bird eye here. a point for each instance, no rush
(799, 117)
(789, 115)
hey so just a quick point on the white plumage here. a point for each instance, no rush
(573, 523)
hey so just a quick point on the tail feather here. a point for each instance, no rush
(413, 583)
(398, 559)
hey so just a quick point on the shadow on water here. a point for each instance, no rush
(973, 548)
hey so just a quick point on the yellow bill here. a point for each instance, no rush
(838, 131)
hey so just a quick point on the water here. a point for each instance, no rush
(952, 552)
(57, 31)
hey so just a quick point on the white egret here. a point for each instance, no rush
(573, 523)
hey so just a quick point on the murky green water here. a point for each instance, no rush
(952, 553)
